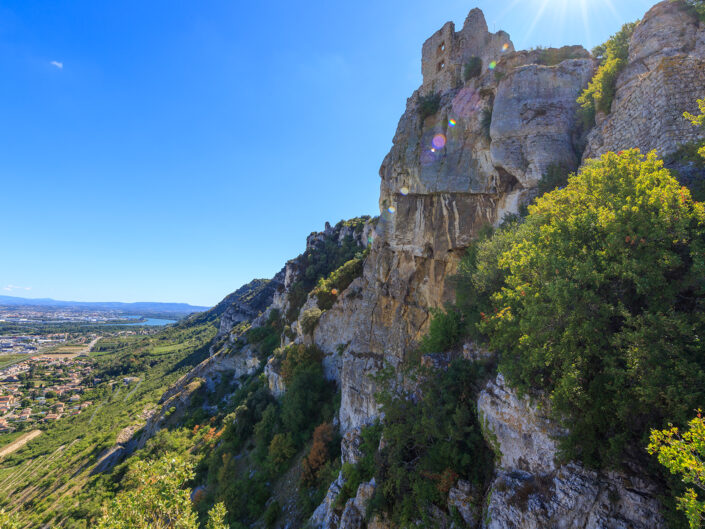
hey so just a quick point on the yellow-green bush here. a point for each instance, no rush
(599, 94)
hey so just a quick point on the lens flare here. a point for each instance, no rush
(493, 65)
(334, 291)
(505, 47)
(451, 123)
(392, 209)
(439, 141)
(404, 190)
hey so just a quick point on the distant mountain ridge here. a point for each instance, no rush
(140, 306)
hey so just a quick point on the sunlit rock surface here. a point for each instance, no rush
(475, 159)
(532, 491)
(664, 78)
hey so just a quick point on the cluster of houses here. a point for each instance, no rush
(42, 389)
(26, 344)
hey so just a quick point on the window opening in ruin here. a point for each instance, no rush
(442, 48)
(441, 65)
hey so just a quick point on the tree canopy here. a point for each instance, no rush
(598, 300)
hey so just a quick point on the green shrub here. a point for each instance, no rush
(265, 430)
(327, 290)
(684, 453)
(364, 470)
(296, 297)
(267, 337)
(306, 402)
(297, 357)
(599, 94)
(271, 515)
(8, 520)
(320, 260)
(556, 176)
(281, 449)
(156, 497)
(472, 68)
(478, 277)
(309, 320)
(429, 442)
(445, 333)
(429, 105)
(698, 7)
(601, 304)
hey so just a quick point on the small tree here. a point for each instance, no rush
(684, 454)
(216, 517)
(319, 454)
(472, 68)
(155, 498)
(281, 449)
(613, 55)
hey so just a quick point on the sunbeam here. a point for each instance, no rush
(586, 23)
(588, 13)
(535, 21)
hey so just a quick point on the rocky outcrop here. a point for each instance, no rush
(664, 77)
(353, 514)
(467, 501)
(532, 491)
(521, 433)
(533, 121)
(355, 509)
(248, 302)
(275, 381)
(325, 515)
(448, 173)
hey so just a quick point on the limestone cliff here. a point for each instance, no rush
(664, 77)
(476, 158)
(471, 147)
(469, 159)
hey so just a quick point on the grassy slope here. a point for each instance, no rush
(48, 481)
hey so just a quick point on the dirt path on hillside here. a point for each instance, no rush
(19, 443)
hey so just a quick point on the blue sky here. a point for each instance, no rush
(173, 150)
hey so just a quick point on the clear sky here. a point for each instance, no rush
(172, 150)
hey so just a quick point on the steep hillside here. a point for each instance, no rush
(384, 377)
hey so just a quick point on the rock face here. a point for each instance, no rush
(528, 133)
(521, 433)
(450, 171)
(247, 302)
(325, 516)
(664, 78)
(466, 500)
(530, 490)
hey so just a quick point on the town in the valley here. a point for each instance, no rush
(43, 389)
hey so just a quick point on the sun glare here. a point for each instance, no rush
(559, 11)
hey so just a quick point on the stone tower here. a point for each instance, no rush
(446, 52)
